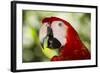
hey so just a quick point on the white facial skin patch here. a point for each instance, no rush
(59, 31)
(43, 32)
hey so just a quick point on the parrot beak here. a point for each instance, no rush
(49, 41)
(47, 48)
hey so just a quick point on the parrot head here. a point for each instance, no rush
(55, 30)
(53, 35)
(57, 37)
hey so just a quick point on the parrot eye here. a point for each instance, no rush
(60, 24)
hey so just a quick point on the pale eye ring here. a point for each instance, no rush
(60, 24)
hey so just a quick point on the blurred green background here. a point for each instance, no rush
(32, 51)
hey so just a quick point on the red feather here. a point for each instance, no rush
(74, 48)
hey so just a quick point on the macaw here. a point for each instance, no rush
(60, 41)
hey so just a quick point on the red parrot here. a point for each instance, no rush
(62, 36)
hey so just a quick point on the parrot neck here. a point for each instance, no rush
(74, 48)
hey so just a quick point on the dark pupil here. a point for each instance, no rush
(60, 24)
